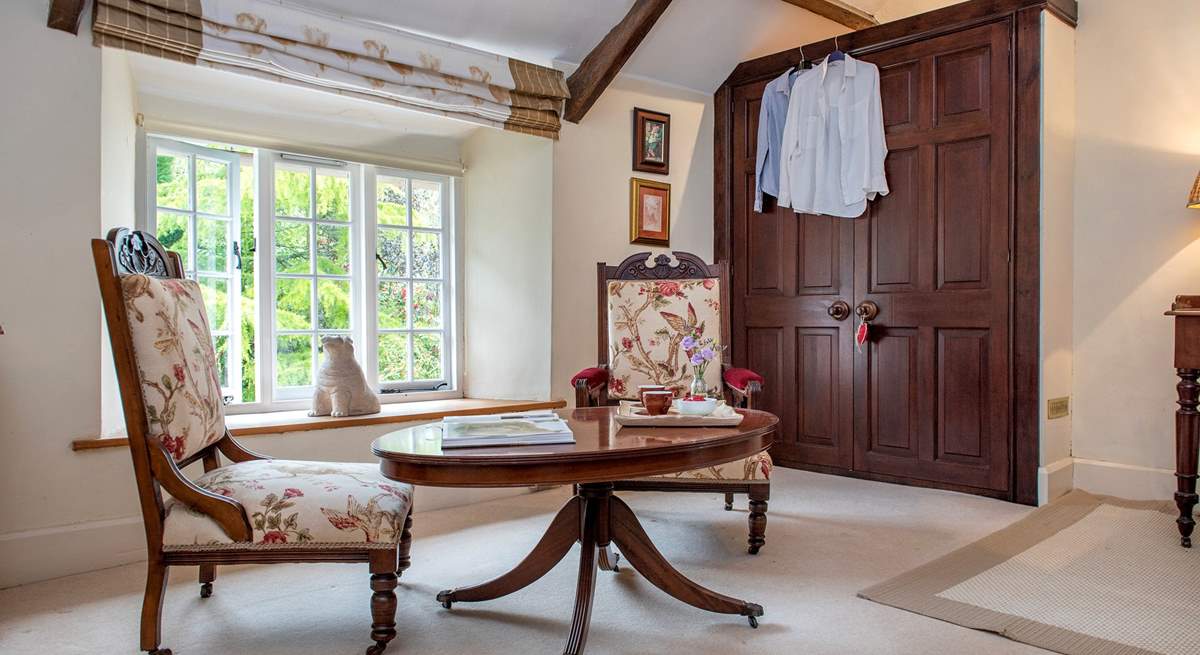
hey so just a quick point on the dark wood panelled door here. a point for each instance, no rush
(789, 271)
(927, 399)
(932, 385)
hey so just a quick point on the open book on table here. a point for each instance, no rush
(537, 428)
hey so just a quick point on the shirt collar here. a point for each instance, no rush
(783, 83)
(849, 67)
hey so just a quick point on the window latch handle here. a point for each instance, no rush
(237, 253)
(381, 262)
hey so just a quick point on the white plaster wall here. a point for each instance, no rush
(1057, 249)
(591, 204)
(507, 259)
(1136, 244)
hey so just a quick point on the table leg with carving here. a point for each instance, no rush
(1187, 434)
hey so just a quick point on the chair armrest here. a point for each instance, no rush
(590, 384)
(230, 448)
(227, 512)
(744, 385)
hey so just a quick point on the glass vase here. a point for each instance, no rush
(698, 388)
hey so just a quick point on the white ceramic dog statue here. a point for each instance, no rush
(341, 386)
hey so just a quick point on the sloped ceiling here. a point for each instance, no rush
(695, 44)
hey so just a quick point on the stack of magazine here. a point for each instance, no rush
(536, 428)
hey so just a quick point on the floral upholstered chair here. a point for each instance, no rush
(249, 509)
(653, 320)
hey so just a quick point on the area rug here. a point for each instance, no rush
(1086, 574)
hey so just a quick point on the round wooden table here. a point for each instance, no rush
(603, 452)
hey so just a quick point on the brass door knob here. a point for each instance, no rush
(867, 310)
(839, 310)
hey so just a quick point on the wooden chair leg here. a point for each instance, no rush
(758, 519)
(383, 599)
(403, 561)
(729, 502)
(208, 573)
(152, 604)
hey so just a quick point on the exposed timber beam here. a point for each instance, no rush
(65, 15)
(603, 63)
(838, 12)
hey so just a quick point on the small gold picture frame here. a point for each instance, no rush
(649, 212)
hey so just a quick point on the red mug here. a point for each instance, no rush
(643, 388)
(657, 403)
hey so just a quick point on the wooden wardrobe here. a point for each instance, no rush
(945, 393)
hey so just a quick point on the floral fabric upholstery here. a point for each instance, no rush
(176, 362)
(754, 467)
(647, 321)
(293, 503)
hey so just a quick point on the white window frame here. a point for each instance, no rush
(363, 273)
(232, 273)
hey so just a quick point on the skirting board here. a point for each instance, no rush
(45, 553)
(1055, 479)
(1124, 480)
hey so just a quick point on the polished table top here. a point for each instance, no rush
(603, 451)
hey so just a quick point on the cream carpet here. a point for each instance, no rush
(1086, 575)
(827, 538)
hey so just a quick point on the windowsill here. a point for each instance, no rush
(250, 425)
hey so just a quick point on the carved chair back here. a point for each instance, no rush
(166, 372)
(646, 311)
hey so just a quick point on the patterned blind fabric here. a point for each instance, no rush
(288, 43)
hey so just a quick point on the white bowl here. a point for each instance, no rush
(696, 407)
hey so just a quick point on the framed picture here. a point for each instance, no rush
(649, 212)
(651, 141)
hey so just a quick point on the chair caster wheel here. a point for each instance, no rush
(376, 649)
(447, 604)
(206, 590)
(446, 598)
(159, 651)
(753, 622)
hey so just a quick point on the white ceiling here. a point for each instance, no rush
(695, 44)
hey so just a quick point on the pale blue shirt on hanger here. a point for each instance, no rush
(771, 115)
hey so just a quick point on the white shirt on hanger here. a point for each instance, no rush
(833, 143)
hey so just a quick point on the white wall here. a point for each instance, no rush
(591, 204)
(1057, 251)
(1136, 245)
(507, 255)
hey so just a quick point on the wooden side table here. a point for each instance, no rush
(1186, 310)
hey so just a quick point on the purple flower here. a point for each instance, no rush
(689, 342)
(707, 353)
(697, 359)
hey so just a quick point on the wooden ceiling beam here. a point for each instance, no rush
(65, 15)
(838, 12)
(602, 64)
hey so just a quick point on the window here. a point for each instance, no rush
(289, 249)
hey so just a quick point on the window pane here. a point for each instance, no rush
(393, 307)
(171, 181)
(293, 360)
(334, 308)
(291, 247)
(173, 235)
(212, 186)
(427, 254)
(427, 305)
(293, 304)
(292, 191)
(393, 358)
(212, 244)
(333, 196)
(333, 250)
(393, 200)
(426, 203)
(221, 345)
(249, 310)
(216, 302)
(427, 356)
(392, 248)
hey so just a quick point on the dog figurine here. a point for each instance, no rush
(342, 388)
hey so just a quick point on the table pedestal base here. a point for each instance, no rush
(596, 519)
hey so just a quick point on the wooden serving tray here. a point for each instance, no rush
(722, 416)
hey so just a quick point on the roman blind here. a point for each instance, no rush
(307, 47)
